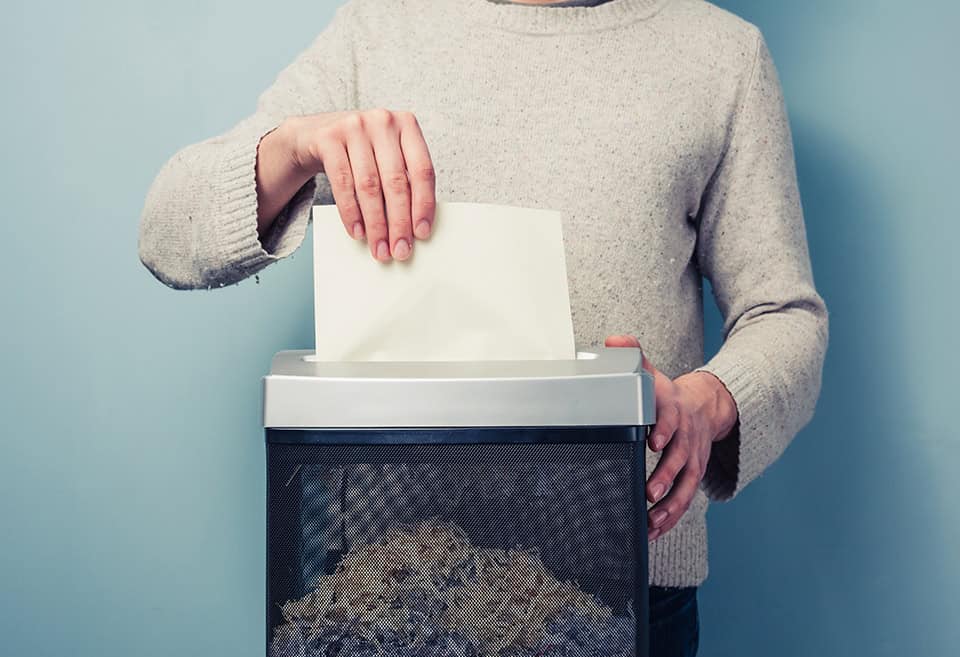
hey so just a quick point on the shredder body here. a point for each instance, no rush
(457, 509)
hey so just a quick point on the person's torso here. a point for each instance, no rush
(619, 130)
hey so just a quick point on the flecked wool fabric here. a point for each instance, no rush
(657, 128)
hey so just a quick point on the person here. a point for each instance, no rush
(657, 127)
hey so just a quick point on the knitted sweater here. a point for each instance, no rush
(657, 128)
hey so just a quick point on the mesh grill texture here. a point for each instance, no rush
(451, 550)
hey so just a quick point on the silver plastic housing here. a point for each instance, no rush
(602, 387)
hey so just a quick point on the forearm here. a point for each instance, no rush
(752, 247)
(223, 209)
(772, 365)
(197, 228)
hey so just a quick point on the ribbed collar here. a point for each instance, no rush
(544, 19)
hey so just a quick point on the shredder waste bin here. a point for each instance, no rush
(457, 509)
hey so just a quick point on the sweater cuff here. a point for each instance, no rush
(237, 241)
(289, 228)
(739, 458)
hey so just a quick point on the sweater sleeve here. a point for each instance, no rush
(198, 227)
(752, 247)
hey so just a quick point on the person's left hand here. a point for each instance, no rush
(693, 411)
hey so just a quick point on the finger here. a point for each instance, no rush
(336, 166)
(385, 138)
(664, 474)
(420, 173)
(668, 421)
(666, 514)
(665, 398)
(369, 192)
(663, 390)
(622, 341)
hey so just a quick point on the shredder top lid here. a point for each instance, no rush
(601, 387)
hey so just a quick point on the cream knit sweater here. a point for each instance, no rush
(658, 129)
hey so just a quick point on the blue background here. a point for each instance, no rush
(131, 470)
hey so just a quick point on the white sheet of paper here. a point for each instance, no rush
(490, 283)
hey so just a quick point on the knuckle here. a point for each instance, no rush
(396, 182)
(668, 472)
(424, 173)
(350, 211)
(341, 178)
(400, 229)
(380, 116)
(426, 207)
(352, 121)
(677, 463)
(396, 221)
(399, 225)
(675, 471)
(405, 116)
(293, 122)
(425, 210)
(700, 462)
(678, 448)
(696, 468)
(369, 183)
(376, 226)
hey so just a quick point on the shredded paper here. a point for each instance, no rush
(424, 591)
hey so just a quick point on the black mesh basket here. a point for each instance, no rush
(527, 542)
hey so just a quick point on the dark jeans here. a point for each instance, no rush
(674, 622)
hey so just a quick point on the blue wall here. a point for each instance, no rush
(131, 470)
(851, 544)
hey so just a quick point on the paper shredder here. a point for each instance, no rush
(457, 509)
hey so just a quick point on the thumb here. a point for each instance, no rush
(622, 341)
(630, 341)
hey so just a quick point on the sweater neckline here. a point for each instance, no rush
(544, 19)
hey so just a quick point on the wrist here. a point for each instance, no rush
(288, 139)
(279, 173)
(725, 413)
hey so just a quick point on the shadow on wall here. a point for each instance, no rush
(810, 559)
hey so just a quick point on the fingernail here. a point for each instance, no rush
(657, 492)
(658, 517)
(423, 229)
(653, 534)
(657, 440)
(401, 249)
(383, 251)
(358, 231)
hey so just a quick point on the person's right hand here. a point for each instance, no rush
(380, 172)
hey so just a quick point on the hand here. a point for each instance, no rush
(379, 169)
(693, 411)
